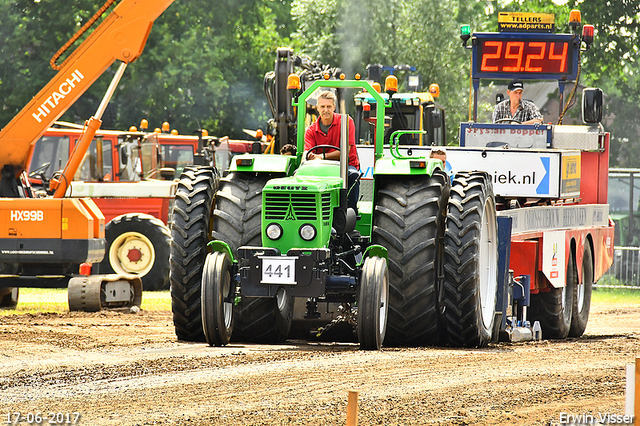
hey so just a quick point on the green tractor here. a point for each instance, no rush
(278, 228)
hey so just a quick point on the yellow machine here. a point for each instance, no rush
(43, 241)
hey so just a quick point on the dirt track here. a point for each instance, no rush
(125, 369)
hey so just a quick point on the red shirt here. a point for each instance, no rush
(314, 136)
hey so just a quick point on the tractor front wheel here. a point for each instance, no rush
(373, 303)
(217, 307)
(237, 222)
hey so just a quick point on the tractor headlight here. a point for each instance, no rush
(274, 231)
(307, 232)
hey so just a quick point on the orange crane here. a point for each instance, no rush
(43, 241)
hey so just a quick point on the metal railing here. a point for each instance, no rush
(625, 271)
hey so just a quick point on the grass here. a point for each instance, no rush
(34, 300)
(615, 296)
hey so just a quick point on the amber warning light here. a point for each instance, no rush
(293, 82)
(391, 84)
(574, 18)
(434, 89)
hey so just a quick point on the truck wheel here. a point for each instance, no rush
(373, 306)
(138, 244)
(9, 297)
(237, 221)
(409, 220)
(582, 295)
(190, 233)
(217, 313)
(470, 261)
(553, 308)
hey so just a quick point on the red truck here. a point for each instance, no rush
(130, 176)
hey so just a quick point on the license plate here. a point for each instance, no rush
(278, 270)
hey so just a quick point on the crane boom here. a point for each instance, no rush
(121, 36)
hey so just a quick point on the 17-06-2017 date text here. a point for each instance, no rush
(40, 418)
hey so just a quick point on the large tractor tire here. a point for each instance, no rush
(190, 233)
(408, 220)
(582, 295)
(138, 244)
(9, 297)
(237, 221)
(373, 306)
(470, 261)
(553, 308)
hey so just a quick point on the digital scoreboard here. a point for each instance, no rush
(525, 56)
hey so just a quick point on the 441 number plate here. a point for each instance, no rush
(278, 270)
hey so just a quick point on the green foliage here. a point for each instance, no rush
(612, 64)
(352, 34)
(30, 38)
(202, 66)
(204, 62)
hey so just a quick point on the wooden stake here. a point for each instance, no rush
(636, 408)
(352, 408)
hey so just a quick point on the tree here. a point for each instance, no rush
(352, 34)
(611, 63)
(32, 32)
(203, 64)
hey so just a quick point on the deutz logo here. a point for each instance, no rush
(291, 187)
(290, 214)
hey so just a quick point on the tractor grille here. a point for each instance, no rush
(326, 206)
(287, 206)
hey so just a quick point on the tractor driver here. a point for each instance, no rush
(326, 131)
(515, 108)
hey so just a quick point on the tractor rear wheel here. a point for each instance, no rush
(237, 222)
(190, 233)
(408, 220)
(138, 244)
(582, 295)
(553, 308)
(217, 313)
(373, 306)
(470, 261)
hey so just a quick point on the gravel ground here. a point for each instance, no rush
(128, 369)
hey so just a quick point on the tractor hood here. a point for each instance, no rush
(307, 198)
(311, 176)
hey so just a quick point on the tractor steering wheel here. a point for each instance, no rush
(507, 120)
(322, 147)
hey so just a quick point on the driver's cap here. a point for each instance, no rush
(515, 85)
